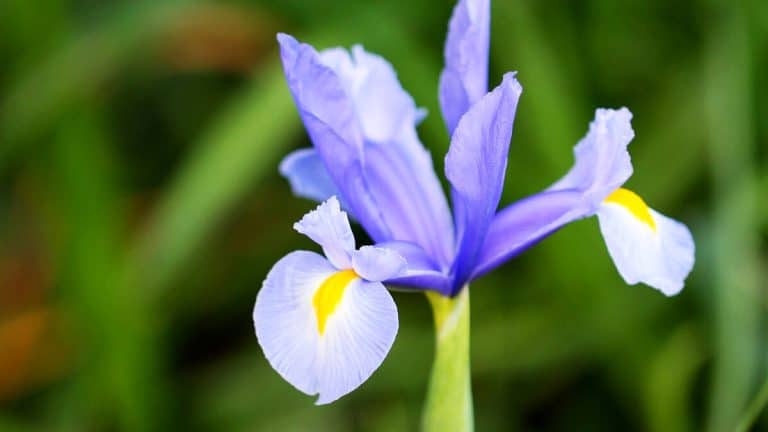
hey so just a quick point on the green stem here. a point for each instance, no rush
(449, 399)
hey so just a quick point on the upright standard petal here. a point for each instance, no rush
(324, 331)
(329, 227)
(383, 108)
(397, 169)
(645, 245)
(475, 166)
(308, 176)
(602, 165)
(464, 79)
(331, 123)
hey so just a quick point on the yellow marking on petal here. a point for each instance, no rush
(329, 295)
(632, 202)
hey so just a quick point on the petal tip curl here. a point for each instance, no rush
(329, 227)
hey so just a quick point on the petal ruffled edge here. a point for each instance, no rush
(602, 162)
(358, 335)
(328, 226)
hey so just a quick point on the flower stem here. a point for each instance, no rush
(449, 398)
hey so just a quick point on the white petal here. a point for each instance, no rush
(660, 254)
(357, 335)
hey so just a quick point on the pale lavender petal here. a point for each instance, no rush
(358, 340)
(602, 160)
(329, 227)
(407, 206)
(398, 169)
(475, 166)
(356, 337)
(284, 318)
(382, 106)
(414, 255)
(525, 223)
(307, 175)
(376, 264)
(332, 124)
(422, 272)
(464, 79)
(419, 280)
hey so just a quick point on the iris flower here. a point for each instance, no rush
(326, 323)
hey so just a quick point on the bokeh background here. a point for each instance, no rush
(140, 209)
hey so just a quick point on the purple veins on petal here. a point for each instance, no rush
(358, 332)
(362, 124)
(398, 169)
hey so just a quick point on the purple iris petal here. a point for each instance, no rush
(602, 165)
(332, 125)
(602, 162)
(308, 176)
(422, 272)
(464, 79)
(475, 166)
(377, 264)
(522, 224)
(398, 169)
(373, 123)
(362, 124)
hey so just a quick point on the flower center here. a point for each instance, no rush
(328, 296)
(632, 202)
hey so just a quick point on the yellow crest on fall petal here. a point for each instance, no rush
(328, 296)
(632, 202)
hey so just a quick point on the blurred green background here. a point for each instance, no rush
(140, 209)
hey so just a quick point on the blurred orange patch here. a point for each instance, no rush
(219, 37)
(32, 351)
